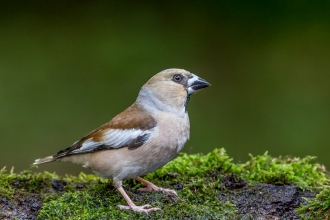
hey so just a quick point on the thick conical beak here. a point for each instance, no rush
(195, 84)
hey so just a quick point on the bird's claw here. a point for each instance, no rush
(144, 208)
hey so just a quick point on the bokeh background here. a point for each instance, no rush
(67, 67)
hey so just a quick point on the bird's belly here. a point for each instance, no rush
(124, 163)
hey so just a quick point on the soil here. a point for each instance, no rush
(264, 201)
(23, 206)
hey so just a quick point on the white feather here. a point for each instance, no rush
(117, 138)
(114, 138)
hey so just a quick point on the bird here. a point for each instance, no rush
(142, 138)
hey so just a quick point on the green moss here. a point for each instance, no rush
(195, 164)
(317, 208)
(265, 169)
(283, 170)
(24, 181)
(5, 187)
(198, 179)
(102, 204)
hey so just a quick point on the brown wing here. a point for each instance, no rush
(131, 129)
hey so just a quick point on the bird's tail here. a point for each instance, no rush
(43, 160)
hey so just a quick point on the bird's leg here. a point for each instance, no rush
(144, 208)
(152, 187)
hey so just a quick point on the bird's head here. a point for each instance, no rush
(169, 90)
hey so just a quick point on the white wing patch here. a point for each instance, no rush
(114, 138)
(117, 138)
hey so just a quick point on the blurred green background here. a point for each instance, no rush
(67, 67)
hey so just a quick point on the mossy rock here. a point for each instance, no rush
(209, 187)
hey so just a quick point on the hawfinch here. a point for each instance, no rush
(141, 139)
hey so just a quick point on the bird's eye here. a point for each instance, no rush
(177, 78)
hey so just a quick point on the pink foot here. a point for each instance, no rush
(136, 208)
(152, 187)
(149, 188)
(169, 191)
(155, 188)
